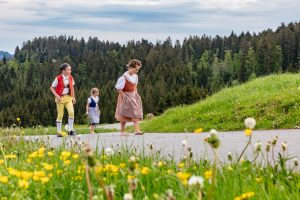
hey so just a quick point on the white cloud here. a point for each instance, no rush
(122, 20)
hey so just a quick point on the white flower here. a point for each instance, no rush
(184, 142)
(213, 131)
(128, 196)
(132, 159)
(109, 151)
(196, 180)
(250, 122)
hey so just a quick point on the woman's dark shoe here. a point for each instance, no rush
(139, 133)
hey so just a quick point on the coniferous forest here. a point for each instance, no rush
(173, 73)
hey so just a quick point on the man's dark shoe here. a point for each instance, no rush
(72, 132)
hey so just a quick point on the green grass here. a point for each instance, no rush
(274, 101)
(59, 173)
(40, 130)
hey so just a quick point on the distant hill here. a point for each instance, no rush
(8, 55)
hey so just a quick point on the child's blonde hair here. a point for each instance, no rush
(94, 90)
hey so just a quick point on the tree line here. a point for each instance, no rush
(173, 73)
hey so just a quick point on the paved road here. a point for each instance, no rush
(170, 144)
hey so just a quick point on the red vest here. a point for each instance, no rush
(60, 85)
(129, 87)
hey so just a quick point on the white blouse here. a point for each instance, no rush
(96, 99)
(121, 81)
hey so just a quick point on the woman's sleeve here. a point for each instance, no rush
(120, 83)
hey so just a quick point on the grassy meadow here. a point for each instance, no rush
(274, 101)
(34, 170)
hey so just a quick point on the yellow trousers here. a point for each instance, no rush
(66, 101)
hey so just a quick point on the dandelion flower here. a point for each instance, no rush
(109, 151)
(184, 142)
(208, 174)
(196, 180)
(213, 131)
(248, 131)
(145, 170)
(23, 184)
(250, 122)
(198, 130)
(128, 196)
(3, 179)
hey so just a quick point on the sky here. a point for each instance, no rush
(124, 20)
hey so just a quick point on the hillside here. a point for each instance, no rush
(274, 101)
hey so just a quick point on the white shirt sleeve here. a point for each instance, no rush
(120, 83)
(54, 83)
(89, 100)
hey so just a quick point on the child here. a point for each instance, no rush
(129, 106)
(63, 91)
(92, 109)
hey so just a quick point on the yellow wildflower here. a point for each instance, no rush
(64, 155)
(130, 177)
(145, 170)
(23, 184)
(50, 153)
(10, 156)
(181, 165)
(245, 196)
(58, 172)
(1, 161)
(248, 131)
(198, 130)
(26, 175)
(160, 163)
(122, 165)
(208, 174)
(41, 150)
(33, 154)
(64, 134)
(39, 173)
(183, 176)
(18, 119)
(45, 179)
(75, 156)
(3, 179)
(47, 166)
(67, 162)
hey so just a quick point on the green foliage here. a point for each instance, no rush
(273, 100)
(171, 75)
